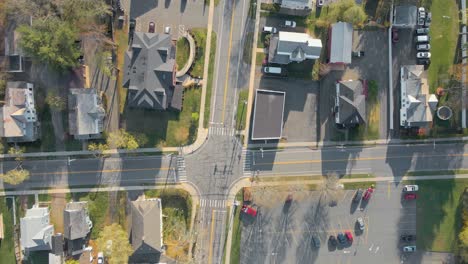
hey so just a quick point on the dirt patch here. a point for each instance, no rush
(57, 206)
(270, 197)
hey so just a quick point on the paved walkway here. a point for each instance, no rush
(464, 53)
(189, 62)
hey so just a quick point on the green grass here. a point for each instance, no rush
(434, 173)
(7, 246)
(270, 7)
(358, 185)
(288, 178)
(236, 232)
(259, 58)
(370, 130)
(444, 34)
(121, 36)
(199, 34)
(166, 128)
(242, 109)
(174, 198)
(98, 204)
(209, 84)
(438, 214)
(182, 53)
(358, 176)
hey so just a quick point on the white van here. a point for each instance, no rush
(422, 39)
(272, 70)
(272, 30)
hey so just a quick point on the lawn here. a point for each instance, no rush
(199, 34)
(121, 37)
(182, 53)
(444, 35)
(236, 232)
(259, 58)
(7, 246)
(439, 214)
(241, 109)
(370, 130)
(98, 204)
(166, 128)
(434, 173)
(358, 185)
(209, 84)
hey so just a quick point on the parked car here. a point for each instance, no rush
(100, 258)
(290, 23)
(368, 194)
(395, 37)
(249, 210)
(423, 47)
(422, 31)
(408, 238)
(271, 30)
(423, 62)
(341, 238)
(428, 21)
(423, 55)
(274, 70)
(167, 30)
(320, 3)
(410, 188)
(410, 196)
(349, 236)
(332, 240)
(360, 223)
(358, 53)
(409, 249)
(315, 241)
(151, 27)
(422, 39)
(357, 196)
(422, 12)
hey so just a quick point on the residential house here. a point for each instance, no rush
(287, 47)
(340, 43)
(76, 226)
(36, 230)
(85, 113)
(147, 229)
(149, 71)
(296, 7)
(417, 105)
(350, 103)
(20, 122)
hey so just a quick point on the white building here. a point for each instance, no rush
(293, 47)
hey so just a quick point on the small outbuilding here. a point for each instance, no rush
(268, 115)
(340, 43)
(405, 16)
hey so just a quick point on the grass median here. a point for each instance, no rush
(236, 232)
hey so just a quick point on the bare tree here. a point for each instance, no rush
(329, 188)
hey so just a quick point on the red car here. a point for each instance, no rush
(395, 35)
(410, 196)
(151, 27)
(367, 194)
(349, 236)
(249, 210)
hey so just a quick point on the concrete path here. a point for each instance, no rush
(189, 62)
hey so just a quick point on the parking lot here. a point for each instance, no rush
(282, 233)
(178, 15)
(300, 109)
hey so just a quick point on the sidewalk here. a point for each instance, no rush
(463, 42)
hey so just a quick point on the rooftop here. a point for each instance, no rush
(341, 41)
(350, 103)
(405, 16)
(268, 115)
(147, 226)
(86, 113)
(36, 231)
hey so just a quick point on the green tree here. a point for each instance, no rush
(55, 101)
(355, 15)
(344, 10)
(82, 12)
(98, 148)
(18, 152)
(121, 139)
(72, 261)
(51, 41)
(113, 242)
(15, 176)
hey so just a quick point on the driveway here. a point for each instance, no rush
(281, 233)
(300, 109)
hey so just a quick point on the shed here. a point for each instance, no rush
(341, 43)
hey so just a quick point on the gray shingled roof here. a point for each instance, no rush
(86, 113)
(293, 46)
(36, 231)
(149, 71)
(147, 226)
(268, 115)
(351, 103)
(341, 43)
(75, 225)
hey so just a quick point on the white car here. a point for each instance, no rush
(409, 249)
(289, 23)
(320, 3)
(100, 258)
(422, 12)
(360, 223)
(410, 188)
(423, 55)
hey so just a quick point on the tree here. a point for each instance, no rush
(329, 188)
(355, 15)
(345, 10)
(113, 242)
(72, 261)
(51, 41)
(55, 101)
(18, 152)
(121, 139)
(15, 176)
(98, 148)
(82, 13)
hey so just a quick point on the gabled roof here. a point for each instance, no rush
(86, 113)
(36, 231)
(149, 70)
(351, 103)
(147, 226)
(296, 4)
(341, 43)
(75, 221)
(292, 46)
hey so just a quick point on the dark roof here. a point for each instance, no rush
(146, 226)
(405, 16)
(268, 115)
(351, 103)
(75, 225)
(149, 70)
(57, 244)
(177, 96)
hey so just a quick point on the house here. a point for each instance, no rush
(405, 16)
(76, 226)
(149, 71)
(296, 7)
(289, 47)
(86, 113)
(147, 229)
(20, 122)
(417, 105)
(340, 43)
(350, 103)
(36, 230)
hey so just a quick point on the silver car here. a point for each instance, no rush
(409, 249)
(423, 55)
(423, 47)
(360, 223)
